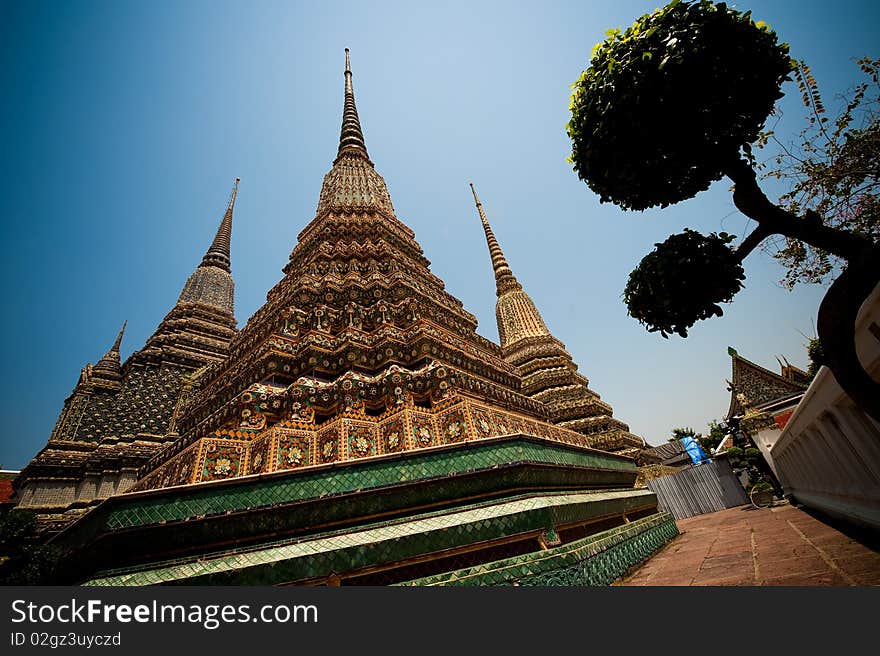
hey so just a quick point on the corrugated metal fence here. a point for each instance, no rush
(700, 489)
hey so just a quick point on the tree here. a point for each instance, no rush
(678, 433)
(673, 104)
(717, 433)
(816, 355)
(833, 169)
(24, 559)
(707, 442)
(743, 455)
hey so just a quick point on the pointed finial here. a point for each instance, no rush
(118, 341)
(218, 253)
(108, 368)
(351, 137)
(476, 198)
(504, 278)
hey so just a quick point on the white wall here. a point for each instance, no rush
(828, 456)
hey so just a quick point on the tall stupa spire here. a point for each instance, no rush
(218, 253)
(517, 316)
(548, 373)
(351, 137)
(353, 185)
(504, 278)
(211, 283)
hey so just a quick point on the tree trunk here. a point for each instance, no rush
(836, 328)
(840, 307)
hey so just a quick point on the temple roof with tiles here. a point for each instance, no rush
(359, 351)
(120, 414)
(752, 385)
(357, 430)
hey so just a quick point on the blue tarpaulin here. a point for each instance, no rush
(694, 450)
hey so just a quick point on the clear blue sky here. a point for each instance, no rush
(124, 125)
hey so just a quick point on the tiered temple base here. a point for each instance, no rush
(450, 514)
(350, 434)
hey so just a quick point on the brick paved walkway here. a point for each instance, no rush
(767, 546)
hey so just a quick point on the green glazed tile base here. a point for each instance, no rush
(195, 521)
(388, 543)
(595, 560)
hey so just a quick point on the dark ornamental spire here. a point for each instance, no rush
(353, 185)
(351, 137)
(118, 341)
(109, 367)
(504, 278)
(211, 283)
(218, 253)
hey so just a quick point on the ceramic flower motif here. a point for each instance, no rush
(295, 455)
(327, 450)
(361, 444)
(223, 467)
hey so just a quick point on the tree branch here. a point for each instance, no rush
(751, 201)
(843, 300)
(752, 241)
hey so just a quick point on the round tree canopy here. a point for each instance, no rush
(682, 281)
(665, 104)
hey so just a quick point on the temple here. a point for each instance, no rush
(762, 402)
(357, 430)
(120, 415)
(546, 369)
(752, 387)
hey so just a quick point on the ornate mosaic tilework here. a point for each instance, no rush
(329, 444)
(484, 422)
(294, 449)
(533, 428)
(222, 460)
(260, 453)
(361, 439)
(393, 435)
(453, 425)
(127, 512)
(183, 468)
(423, 430)
(503, 424)
(180, 470)
(354, 435)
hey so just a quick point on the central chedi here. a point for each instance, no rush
(361, 431)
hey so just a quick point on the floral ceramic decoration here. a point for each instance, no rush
(393, 436)
(361, 441)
